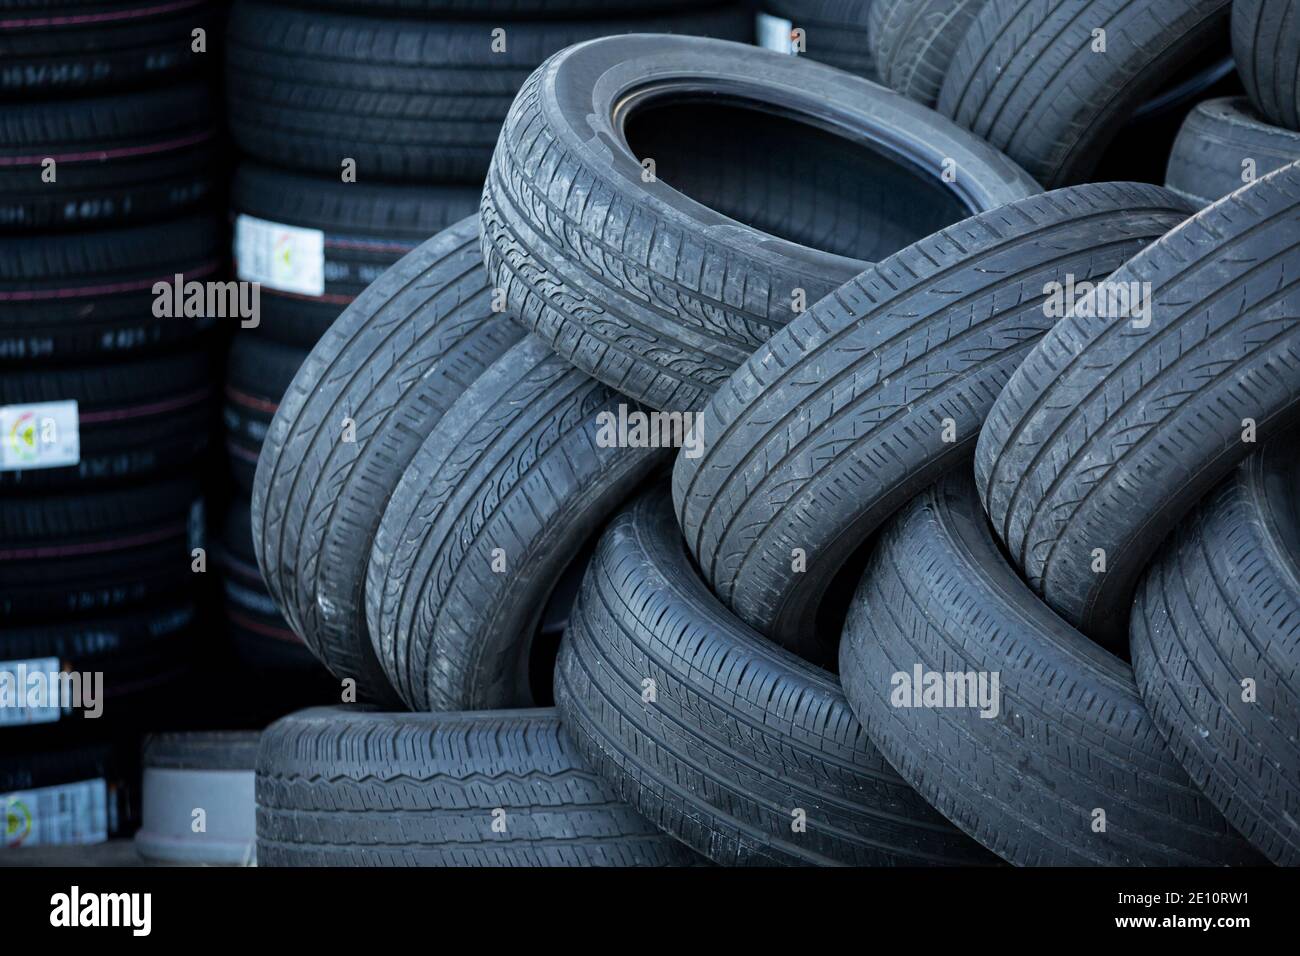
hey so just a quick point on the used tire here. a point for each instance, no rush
(736, 747)
(91, 293)
(1055, 764)
(913, 41)
(391, 365)
(1222, 146)
(660, 296)
(117, 159)
(498, 501)
(1026, 76)
(63, 46)
(1219, 608)
(407, 99)
(72, 554)
(342, 237)
(861, 402)
(258, 374)
(128, 420)
(1116, 425)
(835, 31)
(346, 787)
(1266, 46)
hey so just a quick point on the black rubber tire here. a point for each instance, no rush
(509, 10)
(1107, 434)
(261, 635)
(835, 32)
(91, 46)
(513, 471)
(66, 555)
(1266, 46)
(1220, 606)
(366, 228)
(1223, 145)
(1070, 735)
(90, 293)
(138, 652)
(409, 100)
(659, 296)
(55, 766)
(913, 41)
(135, 418)
(861, 402)
(201, 750)
(345, 787)
(118, 159)
(395, 360)
(739, 734)
(258, 374)
(1026, 79)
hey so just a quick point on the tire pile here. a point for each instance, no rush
(896, 463)
(108, 172)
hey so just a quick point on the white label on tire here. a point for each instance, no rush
(71, 813)
(774, 33)
(41, 435)
(14, 678)
(288, 258)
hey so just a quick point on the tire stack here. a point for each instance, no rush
(108, 174)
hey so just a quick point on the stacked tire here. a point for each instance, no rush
(108, 174)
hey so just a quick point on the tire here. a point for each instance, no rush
(70, 795)
(342, 787)
(133, 419)
(1222, 146)
(259, 372)
(138, 652)
(715, 734)
(861, 402)
(213, 770)
(392, 363)
(118, 159)
(835, 31)
(70, 555)
(92, 46)
(498, 501)
(511, 9)
(1217, 607)
(1026, 79)
(659, 296)
(913, 41)
(408, 100)
(1066, 768)
(1107, 434)
(89, 294)
(354, 232)
(1266, 46)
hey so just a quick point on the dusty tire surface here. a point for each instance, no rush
(1068, 769)
(738, 748)
(1222, 146)
(502, 496)
(391, 365)
(1116, 425)
(1266, 46)
(862, 401)
(660, 294)
(1219, 608)
(913, 41)
(345, 787)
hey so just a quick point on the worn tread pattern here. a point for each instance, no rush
(342, 787)
(718, 735)
(913, 41)
(1222, 146)
(859, 403)
(1108, 434)
(1070, 735)
(661, 297)
(1219, 606)
(1266, 46)
(1026, 79)
(514, 472)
